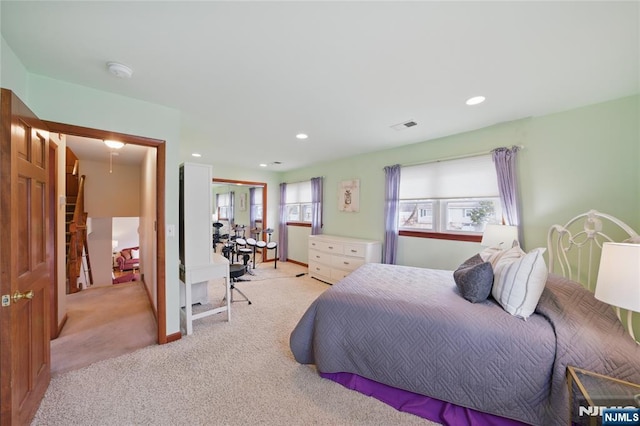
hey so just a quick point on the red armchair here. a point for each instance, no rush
(128, 258)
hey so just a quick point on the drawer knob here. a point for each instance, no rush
(346, 263)
(354, 251)
(330, 248)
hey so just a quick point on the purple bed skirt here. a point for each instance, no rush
(420, 405)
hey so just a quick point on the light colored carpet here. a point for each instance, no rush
(103, 322)
(227, 373)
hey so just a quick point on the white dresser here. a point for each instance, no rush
(332, 258)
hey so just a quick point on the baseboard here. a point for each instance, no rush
(61, 325)
(297, 263)
(153, 307)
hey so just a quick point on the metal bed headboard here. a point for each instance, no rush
(575, 248)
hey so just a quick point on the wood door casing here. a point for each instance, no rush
(24, 264)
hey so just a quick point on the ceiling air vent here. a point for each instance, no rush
(405, 125)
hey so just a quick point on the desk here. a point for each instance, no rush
(218, 268)
(588, 391)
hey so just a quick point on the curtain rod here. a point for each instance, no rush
(456, 157)
(300, 181)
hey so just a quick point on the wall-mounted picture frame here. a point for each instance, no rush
(349, 196)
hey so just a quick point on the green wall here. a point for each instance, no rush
(572, 161)
(13, 74)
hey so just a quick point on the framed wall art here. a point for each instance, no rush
(349, 196)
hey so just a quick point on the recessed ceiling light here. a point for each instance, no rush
(119, 70)
(195, 154)
(263, 165)
(302, 136)
(475, 100)
(113, 144)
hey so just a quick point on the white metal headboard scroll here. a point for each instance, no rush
(585, 235)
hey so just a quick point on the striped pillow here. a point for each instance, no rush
(519, 279)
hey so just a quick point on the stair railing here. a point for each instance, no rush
(77, 240)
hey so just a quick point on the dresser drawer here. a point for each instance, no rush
(356, 250)
(319, 257)
(346, 263)
(327, 247)
(319, 270)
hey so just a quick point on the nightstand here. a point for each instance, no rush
(589, 391)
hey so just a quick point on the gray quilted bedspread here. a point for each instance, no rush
(409, 328)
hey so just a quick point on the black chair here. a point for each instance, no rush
(217, 237)
(271, 245)
(236, 270)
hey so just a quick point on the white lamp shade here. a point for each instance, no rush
(114, 244)
(619, 276)
(501, 236)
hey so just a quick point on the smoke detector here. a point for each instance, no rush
(405, 125)
(119, 70)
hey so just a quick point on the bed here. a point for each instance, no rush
(406, 336)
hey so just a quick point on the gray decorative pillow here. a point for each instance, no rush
(474, 279)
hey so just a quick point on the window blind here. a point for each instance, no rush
(462, 178)
(299, 192)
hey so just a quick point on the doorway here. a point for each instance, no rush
(159, 145)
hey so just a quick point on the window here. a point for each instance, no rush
(450, 197)
(223, 206)
(298, 202)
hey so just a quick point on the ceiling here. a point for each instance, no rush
(95, 150)
(248, 76)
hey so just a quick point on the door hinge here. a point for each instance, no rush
(6, 300)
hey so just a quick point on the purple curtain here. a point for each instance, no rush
(252, 209)
(232, 209)
(391, 204)
(282, 234)
(506, 171)
(316, 205)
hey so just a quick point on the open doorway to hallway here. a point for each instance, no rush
(108, 319)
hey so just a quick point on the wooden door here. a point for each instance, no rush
(24, 315)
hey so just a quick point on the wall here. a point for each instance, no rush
(13, 75)
(99, 242)
(148, 229)
(125, 230)
(111, 194)
(61, 277)
(573, 161)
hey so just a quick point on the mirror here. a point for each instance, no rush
(233, 202)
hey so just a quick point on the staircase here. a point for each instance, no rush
(76, 228)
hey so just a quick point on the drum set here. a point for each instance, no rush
(237, 246)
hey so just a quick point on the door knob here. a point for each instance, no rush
(26, 295)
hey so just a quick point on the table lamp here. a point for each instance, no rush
(500, 236)
(618, 281)
(114, 245)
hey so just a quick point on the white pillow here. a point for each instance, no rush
(519, 279)
(135, 254)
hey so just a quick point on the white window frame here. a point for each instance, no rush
(466, 180)
(299, 196)
(223, 206)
